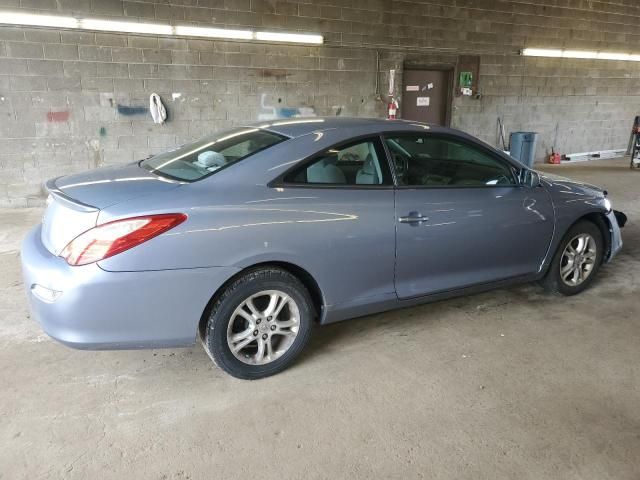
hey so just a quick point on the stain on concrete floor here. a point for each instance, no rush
(507, 384)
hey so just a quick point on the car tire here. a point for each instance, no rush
(242, 311)
(563, 276)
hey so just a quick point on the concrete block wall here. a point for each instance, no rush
(72, 100)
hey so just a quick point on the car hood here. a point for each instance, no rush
(556, 181)
(107, 186)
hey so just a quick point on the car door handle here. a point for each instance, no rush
(414, 218)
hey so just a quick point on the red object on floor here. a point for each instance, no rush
(554, 158)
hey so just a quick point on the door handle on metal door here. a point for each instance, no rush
(414, 218)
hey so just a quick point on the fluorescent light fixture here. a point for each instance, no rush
(129, 27)
(541, 52)
(289, 37)
(593, 55)
(38, 20)
(613, 56)
(214, 33)
(579, 54)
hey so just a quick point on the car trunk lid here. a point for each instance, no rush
(107, 186)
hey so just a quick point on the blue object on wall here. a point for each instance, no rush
(128, 111)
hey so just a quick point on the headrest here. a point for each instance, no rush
(211, 159)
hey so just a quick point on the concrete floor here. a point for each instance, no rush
(503, 385)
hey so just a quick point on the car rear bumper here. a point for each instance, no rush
(87, 307)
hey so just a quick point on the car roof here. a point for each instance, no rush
(296, 127)
(343, 128)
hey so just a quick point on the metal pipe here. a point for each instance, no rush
(377, 75)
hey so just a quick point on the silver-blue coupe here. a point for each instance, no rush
(248, 237)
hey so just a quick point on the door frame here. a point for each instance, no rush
(450, 70)
(451, 136)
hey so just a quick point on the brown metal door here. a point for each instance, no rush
(425, 96)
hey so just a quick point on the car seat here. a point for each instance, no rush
(325, 171)
(368, 174)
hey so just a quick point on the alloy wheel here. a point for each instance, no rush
(263, 327)
(578, 259)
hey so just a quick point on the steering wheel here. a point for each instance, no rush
(402, 166)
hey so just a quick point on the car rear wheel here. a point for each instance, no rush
(259, 324)
(576, 261)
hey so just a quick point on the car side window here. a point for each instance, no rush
(359, 163)
(429, 160)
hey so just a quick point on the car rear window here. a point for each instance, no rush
(199, 159)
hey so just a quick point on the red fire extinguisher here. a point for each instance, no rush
(393, 109)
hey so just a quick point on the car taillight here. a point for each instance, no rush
(111, 238)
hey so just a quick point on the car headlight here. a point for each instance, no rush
(607, 204)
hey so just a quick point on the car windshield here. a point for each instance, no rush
(199, 159)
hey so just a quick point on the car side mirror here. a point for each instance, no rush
(529, 178)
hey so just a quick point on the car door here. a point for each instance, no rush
(462, 218)
(343, 199)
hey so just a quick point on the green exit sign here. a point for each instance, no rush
(466, 79)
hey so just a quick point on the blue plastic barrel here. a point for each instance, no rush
(523, 147)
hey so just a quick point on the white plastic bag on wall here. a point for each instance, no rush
(158, 112)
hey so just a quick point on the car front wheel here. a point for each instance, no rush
(576, 261)
(259, 324)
